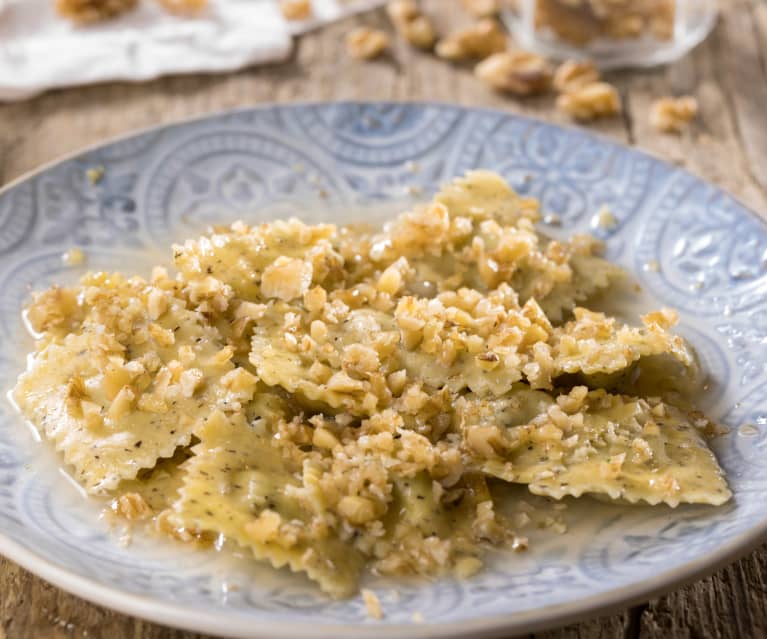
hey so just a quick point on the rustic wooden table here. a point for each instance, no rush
(727, 145)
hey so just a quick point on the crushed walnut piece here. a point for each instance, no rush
(89, 11)
(372, 604)
(519, 72)
(477, 41)
(590, 102)
(132, 507)
(365, 43)
(672, 115)
(73, 257)
(296, 9)
(573, 74)
(95, 174)
(411, 23)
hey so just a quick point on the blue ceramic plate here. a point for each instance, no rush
(342, 161)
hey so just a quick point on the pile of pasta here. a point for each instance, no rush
(341, 399)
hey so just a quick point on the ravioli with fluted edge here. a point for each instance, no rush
(336, 400)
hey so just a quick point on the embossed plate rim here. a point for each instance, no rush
(493, 625)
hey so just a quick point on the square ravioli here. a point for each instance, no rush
(124, 373)
(340, 400)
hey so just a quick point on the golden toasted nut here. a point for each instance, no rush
(477, 41)
(590, 102)
(400, 11)
(520, 73)
(132, 506)
(296, 9)
(358, 510)
(184, 7)
(365, 43)
(672, 115)
(89, 11)
(411, 24)
(572, 74)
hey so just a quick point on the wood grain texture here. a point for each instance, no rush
(727, 145)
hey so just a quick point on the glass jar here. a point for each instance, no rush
(612, 33)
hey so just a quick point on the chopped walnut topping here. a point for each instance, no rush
(590, 102)
(323, 438)
(573, 74)
(641, 448)
(482, 8)
(520, 73)
(411, 24)
(466, 567)
(73, 257)
(611, 468)
(356, 510)
(296, 9)
(372, 604)
(672, 115)
(266, 527)
(365, 43)
(89, 11)
(477, 41)
(286, 278)
(604, 218)
(122, 403)
(132, 506)
(95, 174)
(315, 298)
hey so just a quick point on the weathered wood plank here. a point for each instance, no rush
(32, 609)
(613, 627)
(729, 605)
(745, 84)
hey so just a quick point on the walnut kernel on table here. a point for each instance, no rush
(572, 74)
(184, 7)
(296, 9)
(477, 41)
(411, 24)
(89, 11)
(482, 8)
(671, 115)
(518, 72)
(365, 43)
(590, 102)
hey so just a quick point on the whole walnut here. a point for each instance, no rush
(89, 11)
(590, 101)
(477, 41)
(519, 72)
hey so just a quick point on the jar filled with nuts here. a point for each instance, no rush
(612, 33)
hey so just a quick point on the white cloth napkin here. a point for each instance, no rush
(41, 51)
